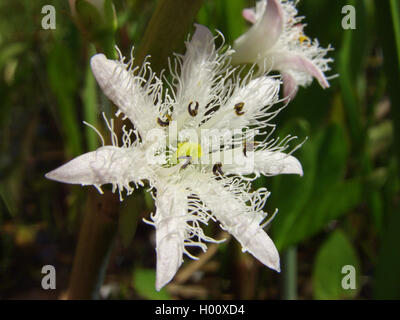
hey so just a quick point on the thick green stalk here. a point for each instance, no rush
(389, 28)
(387, 284)
(95, 242)
(167, 30)
(395, 11)
(90, 107)
(289, 273)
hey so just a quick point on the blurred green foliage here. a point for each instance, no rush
(142, 278)
(334, 254)
(344, 210)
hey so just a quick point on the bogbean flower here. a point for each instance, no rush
(193, 143)
(276, 41)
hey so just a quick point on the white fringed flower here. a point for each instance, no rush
(193, 177)
(276, 42)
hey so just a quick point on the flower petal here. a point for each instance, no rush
(201, 44)
(125, 91)
(198, 69)
(250, 15)
(272, 21)
(169, 258)
(256, 241)
(257, 97)
(290, 86)
(170, 223)
(243, 225)
(265, 162)
(262, 35)
(107, 164)
(295, 62)
(274, 163)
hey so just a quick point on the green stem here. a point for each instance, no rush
(395, 11)
(96, 239)
(387, 26)
(289, 273)
(387, 278)
(90, 106)
(167, 30)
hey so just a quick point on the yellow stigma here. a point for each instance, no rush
(188, 149)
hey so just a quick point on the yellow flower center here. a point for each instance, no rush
(188, 149)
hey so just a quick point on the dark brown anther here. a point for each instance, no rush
(238, 108)
(217, 169)
(165, 123)
(193, 112)
(248, 146)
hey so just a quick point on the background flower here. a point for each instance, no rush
(276, 41)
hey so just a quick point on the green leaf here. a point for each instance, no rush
(387, 275)
(235, 23)
(387, 284)
(10, 51)
(319, 211)
(62, 70)
(335, 253)
(290, 193)
(225, 16)
(352, 57)
(395, 11)
(331, 159)
(388, 26)
(318, 197)
(98, 26)
(62, 74)
(144, 282)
